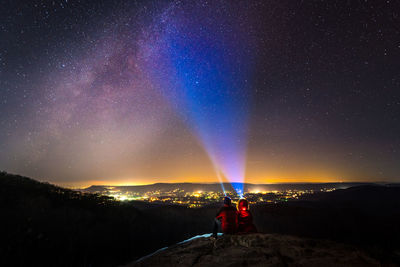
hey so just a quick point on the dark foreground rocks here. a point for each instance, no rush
(257, 250)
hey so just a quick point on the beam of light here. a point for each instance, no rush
(202, 65)
(208, 89)
(238, 188)
(220, 181)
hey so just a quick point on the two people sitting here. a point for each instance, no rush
(234, 220)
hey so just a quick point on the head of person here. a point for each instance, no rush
(227, 201)
(243, 205)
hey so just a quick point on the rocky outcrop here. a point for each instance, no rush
(257, 250)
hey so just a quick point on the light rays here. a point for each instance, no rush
(202, 67)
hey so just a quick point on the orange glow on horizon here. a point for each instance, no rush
(133, 182)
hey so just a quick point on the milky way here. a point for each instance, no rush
(147, 91)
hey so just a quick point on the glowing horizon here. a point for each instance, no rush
(84, 184)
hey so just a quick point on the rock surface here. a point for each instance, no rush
(257, 250)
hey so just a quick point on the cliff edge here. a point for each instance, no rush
(256, 250)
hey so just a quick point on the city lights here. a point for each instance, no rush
(200, 198)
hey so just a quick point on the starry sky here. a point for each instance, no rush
(138, 92)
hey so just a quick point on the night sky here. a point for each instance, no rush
(137, 92)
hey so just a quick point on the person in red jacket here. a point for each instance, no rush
(245, 219)
(226, 217)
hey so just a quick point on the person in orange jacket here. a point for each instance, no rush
(227, 217)
(245, 218)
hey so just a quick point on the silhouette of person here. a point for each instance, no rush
(226, 218)
(245, 219)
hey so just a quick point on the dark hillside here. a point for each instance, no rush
(365, 216)
(45, 225)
